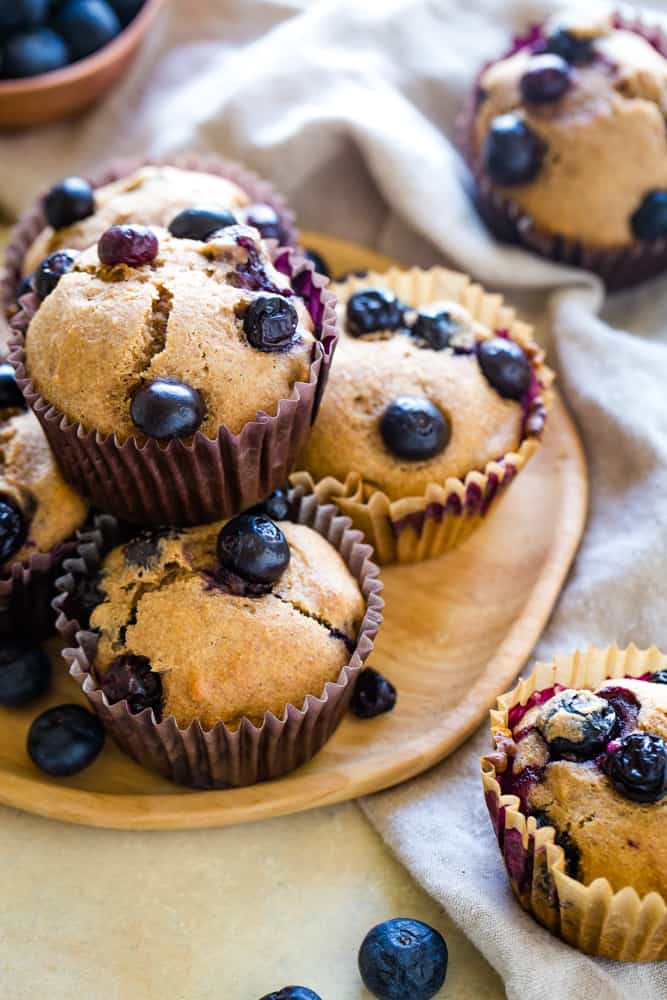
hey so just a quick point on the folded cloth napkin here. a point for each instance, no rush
(350, 108)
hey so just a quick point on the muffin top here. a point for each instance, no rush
(152, 196)
(154, 335)
(419, 391)
(38, 509)
(261, 614)
(571, 126)
(593, 764)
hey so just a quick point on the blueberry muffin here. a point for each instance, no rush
(567, 142)
(436, 381)
(586, 767)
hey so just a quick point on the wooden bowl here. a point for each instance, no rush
(38, 100)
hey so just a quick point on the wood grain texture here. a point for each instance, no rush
(457, 631)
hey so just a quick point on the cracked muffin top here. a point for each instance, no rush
(593, 764)
(571, 126)
(151, 196)
(160, 335)
(260, 614)
(38, 509)
(427, 392)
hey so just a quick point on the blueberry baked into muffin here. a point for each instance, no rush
(186, 336)
(269, 622)
(586, 769)
(444, 396)
(567, 144)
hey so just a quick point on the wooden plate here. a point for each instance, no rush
(457, 631)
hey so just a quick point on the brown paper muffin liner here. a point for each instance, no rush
(593, 918)
(31, 224)
(619, 267)
(26, 591)
(190, 482)
(446, 514)
(221, 756)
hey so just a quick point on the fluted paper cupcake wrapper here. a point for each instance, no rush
(593, 918)
(619, 267)
(221, 756)
(421, 527)
(26, 591)
(31, 224)
(190, 482)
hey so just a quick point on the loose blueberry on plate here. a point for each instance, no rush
(588, 720)
(637, 767)
(576, 51)
(167, 408)
(87, 25)
(373, 694)
(69, 201)
(25, 672)
(126, 10)
(649, 222)
(267, 221)
(413, 428)
(22, 14)
(12, 529)
(403, 959)
(292, 993)
(547, 79)
(373, 309)
(253, 548)
(659, 677)
(318, 263)
(65, 740)
(513, 152)
(130, 678)
(34, 52)
(276, 506)
(435, 327)
(270, 323)
(505, 366)
(200, 223)
(130, 245)
(51, 270)
(11, 396)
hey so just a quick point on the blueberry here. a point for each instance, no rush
(373, 309)
(548, 78)
(11, 396)
(292, 993)
(69, 201)
(24, 286)
(253, 548)
(403, 959)
(318, 263)
(577, 724)
(126, 10)
(505, 367)
(659, 677)
(413, 428)
(87, 25)
(435, 328)
(12, 529)
(22, 14)
(637, 767)
(130, 678)
(373, 694)
(649, 222)
(277, 506)
(166, 408)
(130, 245)
(64, 740)
(51, 270)
(513, 152)
(267, 221)
(576, 51)
(270, 323)
(34, 52)
(200, 223)
(25, 672)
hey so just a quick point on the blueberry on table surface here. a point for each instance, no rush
(292, 993)
(18, 14)
(649, 222)
(25, 672)
(87, 25)
(513, 152)
(253, 548)
(166, 408)
(11, 396)
(64, 740)
(373, 694)
(547, 79)
(372, 310)
(276, 506)
(413, 428)
(576, 51)
(50, 271)
(34, 52)
(505, 367)
(13, 529)
(130, 245)
(270, 323)
(266, 220)
(403, 959)
(200, 223)
(69, 201)
(637, 767)
(130, 678)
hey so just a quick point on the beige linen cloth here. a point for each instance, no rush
(350, 107)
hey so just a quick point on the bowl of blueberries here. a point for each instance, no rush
(57, 57)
